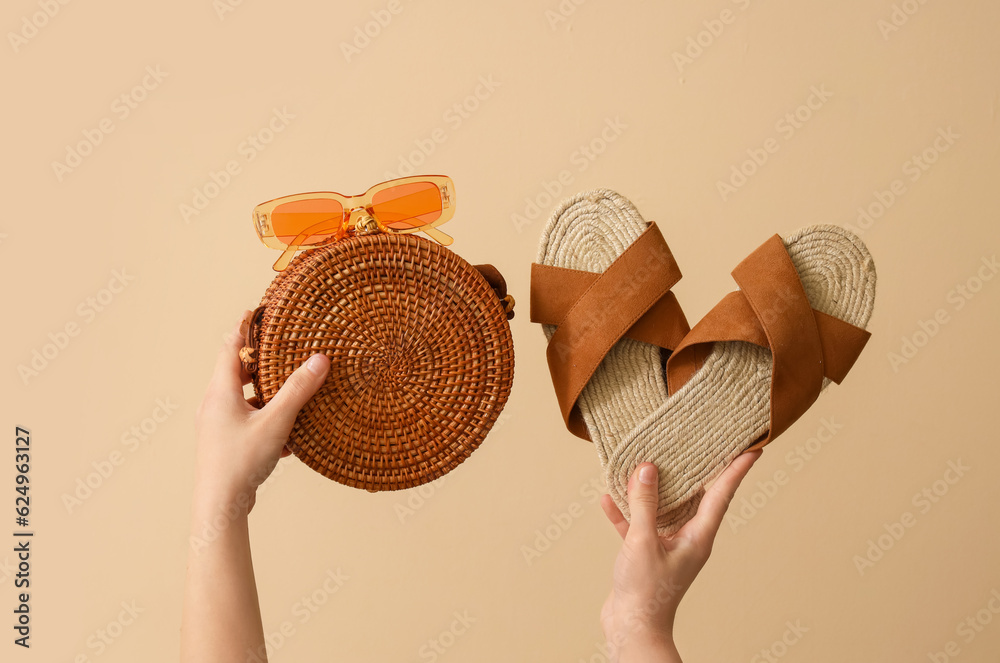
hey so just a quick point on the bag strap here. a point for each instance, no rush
(499, 285)
(250, 328)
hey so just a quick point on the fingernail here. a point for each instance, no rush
(647, 474)
(315, 364)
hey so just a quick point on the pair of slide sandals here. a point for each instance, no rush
(632, 376)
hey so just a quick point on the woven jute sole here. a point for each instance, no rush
(693, 434)
(587, 232)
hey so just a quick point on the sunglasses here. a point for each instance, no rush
(307, 220)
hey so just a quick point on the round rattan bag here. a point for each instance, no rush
(421, 356)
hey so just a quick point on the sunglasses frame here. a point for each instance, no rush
(358, 213)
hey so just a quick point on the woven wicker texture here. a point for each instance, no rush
(421, 358)
(694, 434)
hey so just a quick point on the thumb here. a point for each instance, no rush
(643, 499)
(300, 386)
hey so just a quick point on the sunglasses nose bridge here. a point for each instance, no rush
(361, 219)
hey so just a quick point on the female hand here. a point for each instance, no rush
(237, 447)
(652, 573)
(238, 444)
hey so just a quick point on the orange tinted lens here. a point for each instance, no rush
(307, 222)
(407, 205)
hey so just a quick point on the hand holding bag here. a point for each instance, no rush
(421, 356)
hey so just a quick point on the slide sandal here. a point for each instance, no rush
(601, 290)
(602, 281)
(753, 365)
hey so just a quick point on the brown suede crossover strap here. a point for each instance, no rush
(554, 290)
(593, 311)
(771, 310)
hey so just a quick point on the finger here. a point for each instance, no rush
(713, 507)
(296, 391)
(614, 514)
(643, 498)
(285, 451)
(228, 367)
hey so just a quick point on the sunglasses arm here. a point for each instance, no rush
(286, 257)
(438, 236)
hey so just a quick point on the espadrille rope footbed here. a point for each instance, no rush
(745, 372)
(599, 378)
(421, 357)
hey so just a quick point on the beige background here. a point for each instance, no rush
(554, 86)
